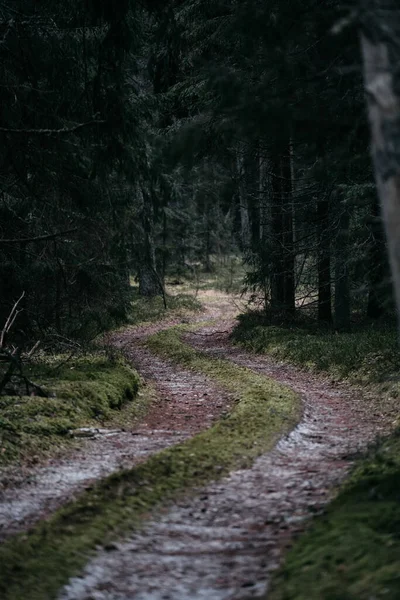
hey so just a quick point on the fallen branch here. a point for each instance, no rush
(10, 320)
(51, 131)
(210, 334)
(13, 357)
(40, 238)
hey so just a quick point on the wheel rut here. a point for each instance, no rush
(184, 404)
(223, 541)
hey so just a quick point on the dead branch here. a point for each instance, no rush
(10, 320)
(210, 334)
(32, 350)
(12, 357)
(40, 238)
(51, 131)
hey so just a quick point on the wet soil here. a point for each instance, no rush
(222, 542)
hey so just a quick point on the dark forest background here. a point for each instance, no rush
(145, 140)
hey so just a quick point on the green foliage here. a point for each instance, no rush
(225, 273)
(82, 391)
(352, 552)
(36, 564)
(150, 310)
(369, 354)
(64, 67)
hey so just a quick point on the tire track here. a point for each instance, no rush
(222, 542)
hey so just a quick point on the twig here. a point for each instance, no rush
(63, 362)
(39, 238)
(29, 354)
(209, 334)
(51, 131)
(10, 320)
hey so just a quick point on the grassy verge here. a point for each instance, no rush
(353, 552)
(225, 274)
(367, 355)
(36, 564)
(150, 310)
(84, 391)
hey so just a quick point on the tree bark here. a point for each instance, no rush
(380, 39)
(245, 233)
(149, 281)
(378, 272)
(287, 233)
(324, 262)
(342, 292)
(282, 258)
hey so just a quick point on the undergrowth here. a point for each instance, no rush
(83, 391)
(36, 564)
(366, 355)
(150, 310)
(224, 274)
(352, 552)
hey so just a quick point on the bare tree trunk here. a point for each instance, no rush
(342, 292)
(149, 281)
(380, 42)
(378, 271)
(277, 268)
(324, 262)
(287, 233)
(282, 270)
(245, 234)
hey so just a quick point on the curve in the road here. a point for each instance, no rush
(221, 543)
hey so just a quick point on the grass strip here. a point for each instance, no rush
(367, 354)
(353, 551)
(87, 390)
(36, 564)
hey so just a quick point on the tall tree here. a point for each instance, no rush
(380, 41)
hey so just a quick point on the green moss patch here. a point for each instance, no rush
(151, 310)
(83, 391)
(35, 565)
(367, 355)
(353, 552)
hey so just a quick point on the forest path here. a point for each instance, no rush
(183, 404)
(222, 541)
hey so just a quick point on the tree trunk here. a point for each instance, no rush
(252, 179)
(149, 281)
(245, 234)
(378, 274)
(287, 233)
(342, 292)
(324, 262)
(282, 256)
(380, 39)
(277, 273)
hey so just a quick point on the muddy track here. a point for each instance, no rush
(184, 404)
(222, 542)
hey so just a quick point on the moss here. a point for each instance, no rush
(84, 391)
(353, 551)
(36, 564)
(366, 355)
(150, 310)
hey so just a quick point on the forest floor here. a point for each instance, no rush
(277, 442)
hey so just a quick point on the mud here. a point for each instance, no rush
(222, 542)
